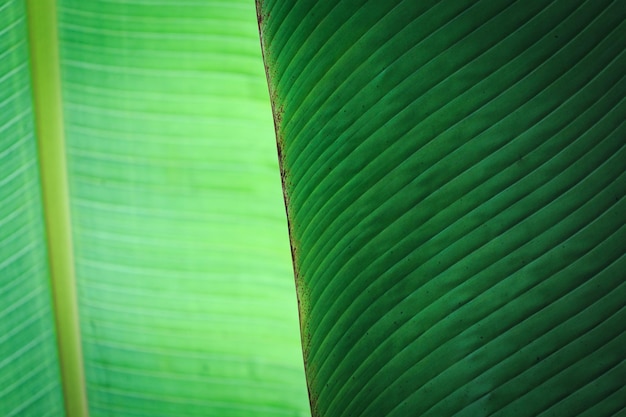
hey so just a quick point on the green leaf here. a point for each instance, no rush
(179, 242)
(454, 173)
(30, 382)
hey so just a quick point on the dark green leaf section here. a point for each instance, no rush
(187, 305)
(454, 175)
(30, 383)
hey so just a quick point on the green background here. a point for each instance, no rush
(183, 271)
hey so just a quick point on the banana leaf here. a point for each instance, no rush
(161, 191)
(30, 381)
(454, 179)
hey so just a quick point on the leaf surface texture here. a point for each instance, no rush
(454, 174)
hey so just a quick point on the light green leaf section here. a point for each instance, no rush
(186, 294)
(456, 185)
(30, 383)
